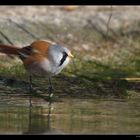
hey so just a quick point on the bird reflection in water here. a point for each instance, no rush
(39, 124)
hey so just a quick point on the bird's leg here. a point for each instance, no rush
(30, 83)
(50, 87)
(30, 90)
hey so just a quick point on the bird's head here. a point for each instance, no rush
(59, 54)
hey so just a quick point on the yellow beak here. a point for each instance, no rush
(70, 55)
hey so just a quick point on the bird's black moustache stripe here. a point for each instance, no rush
(63, 58)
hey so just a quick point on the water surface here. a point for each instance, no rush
(69, 116)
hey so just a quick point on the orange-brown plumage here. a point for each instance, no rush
(41, 46)
(36, 52)
(33, 58)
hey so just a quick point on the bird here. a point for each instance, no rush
(41, 58)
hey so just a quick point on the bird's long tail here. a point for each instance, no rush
(9, 49)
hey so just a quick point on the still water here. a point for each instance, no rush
(69, 116)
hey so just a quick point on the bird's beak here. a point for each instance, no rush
(70, 55)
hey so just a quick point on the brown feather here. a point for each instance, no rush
(7, 49)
